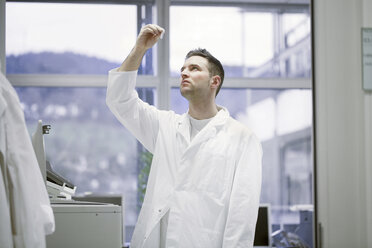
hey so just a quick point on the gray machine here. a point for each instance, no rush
(79, 224)
(83, 225)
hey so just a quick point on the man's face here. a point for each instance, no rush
(195, 78)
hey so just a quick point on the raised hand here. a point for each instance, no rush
(148, 36)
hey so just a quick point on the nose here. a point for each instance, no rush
(184, 74)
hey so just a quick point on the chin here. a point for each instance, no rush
(184, 92)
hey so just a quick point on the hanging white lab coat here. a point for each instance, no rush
(209, 187)
(29, 217)
(6, 239)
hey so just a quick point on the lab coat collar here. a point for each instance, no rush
(208, 131)
(183, 127)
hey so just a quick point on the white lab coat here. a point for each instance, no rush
(209, 187)
(25, 212)
(6, 239)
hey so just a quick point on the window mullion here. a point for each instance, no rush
(2, 36)
(260, 83)
(163, 89)
(65, 80)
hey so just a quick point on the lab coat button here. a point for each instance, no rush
(159, 210)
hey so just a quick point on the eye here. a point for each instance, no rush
(193, 68)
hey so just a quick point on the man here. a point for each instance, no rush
(204, 185)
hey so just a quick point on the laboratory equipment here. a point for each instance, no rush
(78, 223)
(86, 225)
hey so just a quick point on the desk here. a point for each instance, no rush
(83, 226)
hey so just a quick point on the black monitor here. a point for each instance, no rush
(262, 237)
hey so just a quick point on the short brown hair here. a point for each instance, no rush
(214, 65)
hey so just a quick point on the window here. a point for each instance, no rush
(58, 62)
(250, 43)
(68, 38)
(57, 40)
(266, 54)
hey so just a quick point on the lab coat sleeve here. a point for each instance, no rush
(244, 198)
(140, 118)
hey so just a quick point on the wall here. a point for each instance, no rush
(343, 124)
(367, 22)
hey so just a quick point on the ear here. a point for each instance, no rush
(215, 82)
